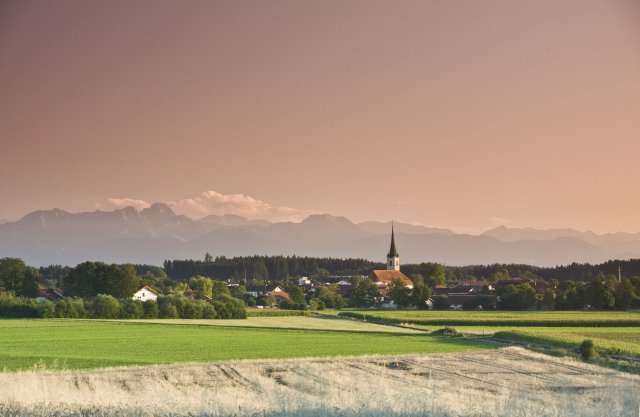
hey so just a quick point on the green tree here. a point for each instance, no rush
(322, 275)
(433, 273)
(150, 310)
(441, 302)
(364, 293)
(400, 293)
(517, 297)
(208, 258)
(193, 309)
(132, 309)
(71, 308)
(420, 295)
(570, 295)
(220, 288)
(548, 299)
(89, 279)
(600, 294)
(625, 295)
(269, 300)
(296, 295)
(330, 297)
(105, 306)
(501, 275)
(239, 291)
(155, 278)
(202, 285)
(124, 282)
(17, 277)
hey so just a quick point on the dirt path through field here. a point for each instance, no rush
(503, 382)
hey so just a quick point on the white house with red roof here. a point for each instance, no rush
(146, 294)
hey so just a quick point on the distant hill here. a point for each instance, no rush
(157, 233)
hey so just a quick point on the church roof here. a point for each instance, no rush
(387, 276)
(392, 251)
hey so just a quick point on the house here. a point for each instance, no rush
(146, 293)
(256, 290)
(279, 293)
(458, 300)
(46, 294)
(383, 278)
(304, 281)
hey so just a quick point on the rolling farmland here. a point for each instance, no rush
(503, 318)
(504, 382)
(81, 344)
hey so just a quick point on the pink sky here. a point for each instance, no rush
(459, 114)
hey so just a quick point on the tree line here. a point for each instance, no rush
(103, 306)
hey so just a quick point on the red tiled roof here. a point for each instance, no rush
(151, 289)
(279, 294)
(387, 276)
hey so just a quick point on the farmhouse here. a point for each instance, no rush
(146, 294)
(383, 278)
(279, 294)
(46, 294)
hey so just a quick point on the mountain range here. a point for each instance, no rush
(155, 234)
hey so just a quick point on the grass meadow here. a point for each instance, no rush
(613, 340)
(83, 344)
(503, 318)
(613, 332)
(507, 382)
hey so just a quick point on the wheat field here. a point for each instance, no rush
(504, 382)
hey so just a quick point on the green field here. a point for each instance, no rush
(504, 318)
(318, 322)
(612, 331)
(76, 344)
(614, 340)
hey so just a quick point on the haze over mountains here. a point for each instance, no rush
(156, 233)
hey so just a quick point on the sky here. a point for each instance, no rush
(458, 114)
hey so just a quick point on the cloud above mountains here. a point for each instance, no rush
(213, 203)
(120, 203)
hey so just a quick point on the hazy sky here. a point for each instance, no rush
(459, 114)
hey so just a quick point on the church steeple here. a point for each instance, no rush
(393, 259)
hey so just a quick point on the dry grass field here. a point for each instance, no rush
(504, 382)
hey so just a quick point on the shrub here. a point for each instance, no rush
(588, 350)
(132, 309)
(169, 312)
(46, 309)
(209, 312)
(71, 308)
(441, 302)
(105, 307)
(228, 307)
(447, 331)
(192, 309)
(291, 305)
(150, 310)
(18, 307)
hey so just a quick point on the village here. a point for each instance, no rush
(382, 289)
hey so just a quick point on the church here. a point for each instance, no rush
(383, 278)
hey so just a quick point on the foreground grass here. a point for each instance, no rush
(81, 344)
(510, 382)
(504, 318)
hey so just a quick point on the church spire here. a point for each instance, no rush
(393, 259)
(392, 251)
